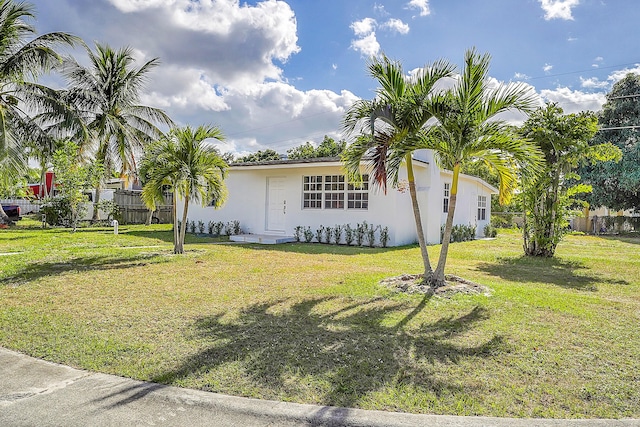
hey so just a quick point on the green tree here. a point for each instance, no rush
(564, 140)
(388, 128)
(72, 179)
(23, 57)
(468, 129)
(105, 96)
(327, 148)
(616, 184)
(190, 167)
(259, 156)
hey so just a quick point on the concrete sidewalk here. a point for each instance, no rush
(34, 392)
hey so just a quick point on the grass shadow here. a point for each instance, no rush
(341, 355)
(324, 249)
(633, 239)
(38, 270)
(556, 271)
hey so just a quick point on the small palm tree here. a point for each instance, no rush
(389, 127)
(467, 130)
(105, 97)
(22, 59)
(191, 168)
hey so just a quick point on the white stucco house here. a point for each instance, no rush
(273, 197)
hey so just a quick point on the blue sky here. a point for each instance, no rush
(275, 74)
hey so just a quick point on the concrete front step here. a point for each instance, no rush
(263, 239)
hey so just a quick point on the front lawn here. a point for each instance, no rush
(309, 323)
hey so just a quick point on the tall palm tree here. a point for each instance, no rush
(389, 127)
(192, 169)
(468, 130)
(23, 58)
(106, 97)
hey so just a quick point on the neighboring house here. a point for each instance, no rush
(603, 219)
(274, 197)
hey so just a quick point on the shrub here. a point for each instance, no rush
(228, 228)
(328, 233)
(236, 227)
(308, 235)
(490, 231)
(57, 211)
(384, 237)
(211, 226)
(348, 234)
(217, 228)
(201, 227)
(191, 225)
(337, 234)
(319, 233)
(297, 232)
(371, 235)
(361, 229)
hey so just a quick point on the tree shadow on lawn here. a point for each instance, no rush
(38, 270)
(554, 270)
(338, 357)
(633, 239)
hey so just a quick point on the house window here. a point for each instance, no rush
(482, 208)
(447, 191)
(312, 192)
(358, 195)
(331, 191)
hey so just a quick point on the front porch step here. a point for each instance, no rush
(263, 239)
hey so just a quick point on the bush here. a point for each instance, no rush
(57, 211)
(490, 231)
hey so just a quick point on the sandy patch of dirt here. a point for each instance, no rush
(412, 284)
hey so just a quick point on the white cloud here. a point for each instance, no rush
(521, 76)
(396, 25)
(421, 5)
(621, 74)
(380, 10)
(558, 9)
(364, 27)
(367, 46)
(574, 101)
(572, 39)
(547, 68)
(236, 44)
(593, 83)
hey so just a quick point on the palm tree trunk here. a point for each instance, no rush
(428, 272)
(183, 227)
(438, 277)
(176, 232)
(4, 217)
(96, 200)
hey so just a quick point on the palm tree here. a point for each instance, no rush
(192, 169)
(105, 97)
(22, 59)
(389, 127)
(467, 130)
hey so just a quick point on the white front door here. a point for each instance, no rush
(276, 204)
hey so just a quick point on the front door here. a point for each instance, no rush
(276, 204)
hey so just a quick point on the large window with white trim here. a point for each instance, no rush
(482, 208)
(312, 192)
(331, 192)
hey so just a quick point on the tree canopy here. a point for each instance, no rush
(259, 156)
(617, 184)
(548, 197)
(327, 148)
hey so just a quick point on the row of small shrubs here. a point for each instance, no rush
(460, 233)
(214, 228)
(362, 234)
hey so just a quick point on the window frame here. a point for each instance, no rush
(334, 192)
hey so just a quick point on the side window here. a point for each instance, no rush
(445, 201)
(482, 208)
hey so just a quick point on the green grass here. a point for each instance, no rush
(308, 323)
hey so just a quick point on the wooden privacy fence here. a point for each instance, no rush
(133, 210)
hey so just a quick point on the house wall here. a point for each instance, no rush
(248, 201)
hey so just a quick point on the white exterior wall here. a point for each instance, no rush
(248, 201)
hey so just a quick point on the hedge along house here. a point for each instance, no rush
(272, 198)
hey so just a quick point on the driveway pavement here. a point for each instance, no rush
(38, 393)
